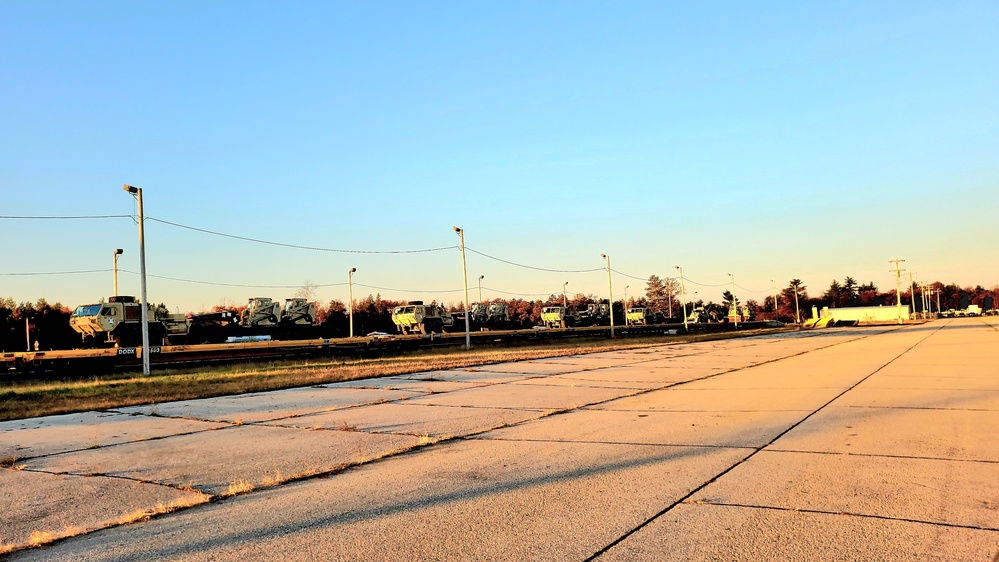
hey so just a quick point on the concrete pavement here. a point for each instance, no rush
(838, 444)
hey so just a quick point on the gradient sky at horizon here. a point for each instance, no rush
(773, 141)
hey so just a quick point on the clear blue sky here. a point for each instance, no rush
(769, 140)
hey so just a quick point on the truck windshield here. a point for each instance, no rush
(87, 310)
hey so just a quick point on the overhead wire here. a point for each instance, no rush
(63, 217)
(298, 246)
(319, 249)
(32, 273)
(485, 255)
(688, 280)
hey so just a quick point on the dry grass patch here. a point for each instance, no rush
(344, 426)
(238, 487)
(39, 538)
(269, 480)
(38, 398)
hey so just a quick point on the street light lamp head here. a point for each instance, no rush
(482, 276)
(130, 189)
(119, 252)
(353, 269)
(603, 255)
(456, 229)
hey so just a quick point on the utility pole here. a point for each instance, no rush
(898, 287)
(669, 295)
(683, 298)
(464, 279)
(117, 253)
(350, 298)
(923, 299)
(610, 293)
(776, 316)
(144, 317)
(735, 306)
(624, 305)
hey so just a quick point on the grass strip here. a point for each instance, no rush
(26, 399)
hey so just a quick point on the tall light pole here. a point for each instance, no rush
(144, 311)
(776, 316)
(564, 306)
(117, 253)
(610, 292)
(898, 287)
(350, 298)
(735, 306)
(683, 297)
(464, 279)
(912, 293)
(481, 277)
(624, 306)
(669, 296)
(927, 302)
(797, 310)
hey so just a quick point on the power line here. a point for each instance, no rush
(65, 217)
(33, 273)
(521, 294)
(688, 280)
(409, 290)
(215, 284)
(533, 267)
(298, 246)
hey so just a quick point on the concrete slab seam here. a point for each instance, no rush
(848, 514)
(884, 456)
(683, 499)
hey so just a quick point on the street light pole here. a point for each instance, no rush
(797, 310)
(624, 306)
(734, 305)
(776, 316)
(927, 305)
(144, 310)
(898, 287)
(117, 253)
(669, 296)
(464, 279)
(563, 294)
(610, 293)
(912, 293)
(481, 277)
(683, 298)
(350, 298)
